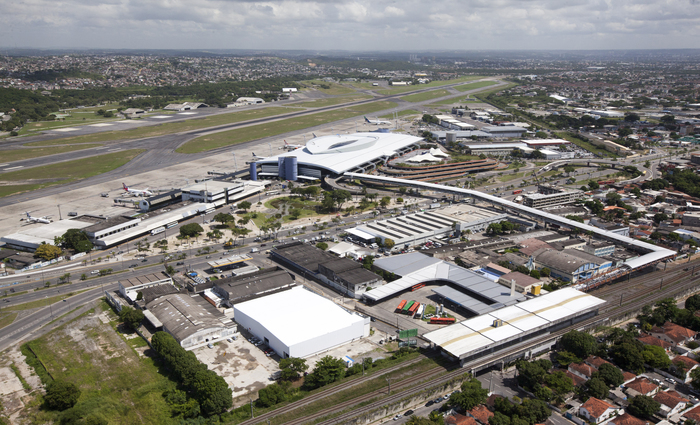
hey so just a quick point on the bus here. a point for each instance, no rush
(441, 320)
(413, 309)
(408, 305)
(401, 304)
(419, 312)
(161, 229)
(517, 191)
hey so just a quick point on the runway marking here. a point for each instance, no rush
(102, 124)
(187, 113)
(2, 165)
(112, 150)
(63, 130)
(160, 117)
(103, 147)
(13, 168)
(126, 122)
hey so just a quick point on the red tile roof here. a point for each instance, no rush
(642, 385)
(628, 419)
(596, 361)
(481, 413)
(670, 398)
(596, 407)
(651, 340)
(578, 381)
(693, 414)
(582, 368)
(628, 375)
(458, 419)
(687, 361)
(674, 332)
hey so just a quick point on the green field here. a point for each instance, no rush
(331, 101)
(6, 319)
(42, 302)
(242, 135)
(421, 97)
(115, 382)
(402, 113)
(334, 88)
(586, 145)
(63, 172)
(170, 128)
(20, 154)
(476, 85)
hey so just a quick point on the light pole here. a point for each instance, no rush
(50, 307)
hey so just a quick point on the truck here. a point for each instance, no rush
(254, 249)
(228, 244)
(161, 229)
(517, 191)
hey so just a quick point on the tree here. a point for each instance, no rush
(631, 117)
(596, 387)
(535, 273)
(389, 243)
(582, 344)
(656, 356)
(322, 245)
(593, 185)
(224, 218)
(611, 375)
(693, 303)
(628, 355)
(327, 370)
(644, 406)
(271, 395)
(292, 367)
(545, 271)
(131, 317)
(559, 382)
(61, 395)
(565, 358)
(384, 202)
(191, 230)
(245, 205)
(47, 251)
(471, 395)
(77, 240)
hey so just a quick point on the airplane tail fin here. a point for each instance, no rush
(124, 186)
(366, 120)
(285, 143)
(314, 134)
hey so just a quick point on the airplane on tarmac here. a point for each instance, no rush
(292, 147)
(137, 192)
(45, 219)
(377, 122)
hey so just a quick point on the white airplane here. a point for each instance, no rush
(45, 219)
(292, 147)
(137, 192)
(377, 122)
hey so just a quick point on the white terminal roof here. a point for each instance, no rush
(477, 333)
(37, 233)
(293, 315)
(343, 152)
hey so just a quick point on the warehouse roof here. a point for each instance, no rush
(560, 260)
(293, 316)
(182, 316)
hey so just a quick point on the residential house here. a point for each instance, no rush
(481, 413)
(582, 370)
(683, 365)
(650, 340)
(692, 414)
(597, 411)
(627, 419)
(672, 333)
(641, 386)
(596, 361)
(457, 419)
(671, 403)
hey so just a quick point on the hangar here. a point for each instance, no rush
(300, 323)
(336, 154)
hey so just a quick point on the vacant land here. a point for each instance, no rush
(170, 128)
(404, 89)
(115, 381)
(402, 113)
(6, 319)
(63, 172)
(331, 101)
(477, 85)
(254, 132)
(421, 97)
(333, 89)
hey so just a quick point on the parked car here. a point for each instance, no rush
(210, 345)
(408, 413)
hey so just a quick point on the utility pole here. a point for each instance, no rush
(252, 415)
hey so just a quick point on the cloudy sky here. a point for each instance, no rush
(351, 24)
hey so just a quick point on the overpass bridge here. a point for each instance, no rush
(588, 161)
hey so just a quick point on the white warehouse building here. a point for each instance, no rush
(300, 323)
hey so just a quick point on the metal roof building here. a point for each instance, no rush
(509, 326)
(336, 154)
(300, 323)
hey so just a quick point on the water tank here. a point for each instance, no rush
(450, 136)
(253, 171)
(290, 168)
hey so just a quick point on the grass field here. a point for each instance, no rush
(586, 145)
(170, 128)
(509, 177)
(477, 85)
(6, 319)
(404, 89)
(334, 88)
(242, 135)
(420, 97)
(42, 302)
(20, 154)
(331, 101)
(114, 381)
(64, 172)
(402, 113)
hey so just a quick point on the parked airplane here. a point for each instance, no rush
(45, 219)
(137, 192)
(377, 122)
(292, 147)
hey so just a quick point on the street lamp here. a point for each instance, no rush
(50, 307)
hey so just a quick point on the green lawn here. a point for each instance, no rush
(404, 89)
(509, 177)
(586, 145)
(6, 319)
(64, 172)
(403, 113)
(476, 85)
(114, 381)
(170, 128)
(242, 135)
(42, 302)
(331, 101)
(334, 88)
(11, 155)
(421, 97)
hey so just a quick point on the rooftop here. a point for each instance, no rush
(182, 316)
(596, 407)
